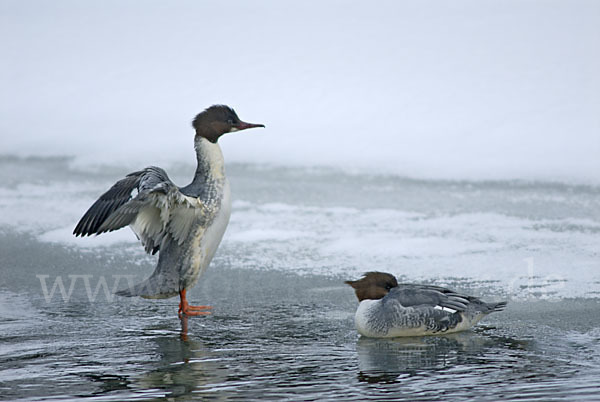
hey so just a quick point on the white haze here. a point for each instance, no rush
(436, 89)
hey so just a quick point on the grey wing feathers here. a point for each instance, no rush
(158, 210)
(119, 194)
(430, 296)
(153, 183)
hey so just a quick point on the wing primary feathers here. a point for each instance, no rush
(109, 202)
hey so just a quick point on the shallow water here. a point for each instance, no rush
(282, 324)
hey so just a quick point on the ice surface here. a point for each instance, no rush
(523, 239)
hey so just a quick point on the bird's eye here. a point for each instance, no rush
(230, 121)
(388, 286)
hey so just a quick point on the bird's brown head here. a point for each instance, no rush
(218, 120)
(373, 285)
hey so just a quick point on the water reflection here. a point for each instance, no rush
(183, 334)
(387, 360)
(184, 365)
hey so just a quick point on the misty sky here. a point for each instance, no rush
(451, 89)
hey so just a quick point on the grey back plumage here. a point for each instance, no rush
(427, 296)
(415, 295)
(434, 308)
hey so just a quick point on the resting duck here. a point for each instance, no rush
(388, 309)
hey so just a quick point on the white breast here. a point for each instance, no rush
(213, 234)
(362, 316)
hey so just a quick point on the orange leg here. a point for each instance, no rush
(186, 309)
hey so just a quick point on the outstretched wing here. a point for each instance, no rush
(427, 296)
(150, 203)
(119, 194)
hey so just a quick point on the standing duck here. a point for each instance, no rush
(388, 309)
(183, 224)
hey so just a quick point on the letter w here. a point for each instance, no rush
(58, 283)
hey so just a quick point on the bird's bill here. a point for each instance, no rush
(243, 125)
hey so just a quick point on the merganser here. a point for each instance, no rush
(388, 309)
(183, 224)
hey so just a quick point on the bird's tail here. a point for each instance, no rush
(155, 287)
(497, 306)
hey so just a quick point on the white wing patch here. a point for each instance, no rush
(181, 223)
(148, 222)
(171, 214)
(447, 309)
(183, 215)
